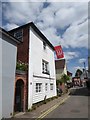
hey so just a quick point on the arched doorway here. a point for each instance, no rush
(19, 96)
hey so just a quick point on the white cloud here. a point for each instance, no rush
(53, 17)
(22, 12)
(64, 17)
(68, 1)
(77, 35)
(10, 26)
(47, 16)
(71, 55)
(57, 15)
(82, 60)
(78, 67)
(61, 15)
(24, 1)
(51, 35)
(81, 68)
(46, 0)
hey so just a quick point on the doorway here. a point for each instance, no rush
(19, 96)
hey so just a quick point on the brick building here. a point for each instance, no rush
(60, 66)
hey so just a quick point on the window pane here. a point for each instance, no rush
(51, 86)
(45, 66)
(38, 87)
(19, 34)
(44, 45)
(46, 87)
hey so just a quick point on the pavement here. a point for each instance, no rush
(44, 109)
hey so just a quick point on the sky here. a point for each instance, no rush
(63, 23)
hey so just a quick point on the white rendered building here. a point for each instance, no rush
(38, 52)
(8, 53)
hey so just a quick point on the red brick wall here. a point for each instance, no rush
(62, 87)
(23, 48)
(23, 55)
(24, 78)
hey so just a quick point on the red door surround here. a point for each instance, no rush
(24, 92)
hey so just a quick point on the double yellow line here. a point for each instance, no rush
(51, 109)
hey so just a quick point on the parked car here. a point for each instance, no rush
(59, 91)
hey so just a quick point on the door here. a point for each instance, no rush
(19, 96)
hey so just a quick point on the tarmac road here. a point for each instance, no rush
(75, 107)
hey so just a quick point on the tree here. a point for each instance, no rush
(78, 73)
(64, 78)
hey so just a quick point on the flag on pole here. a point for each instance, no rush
(59, 52)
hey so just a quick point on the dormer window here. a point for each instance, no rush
(19, 35)
(44, 45)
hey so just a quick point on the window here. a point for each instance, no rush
(38, 87)
(45, 66)
(46, 86)
(19, 35)
(51, 86)
(44, 45)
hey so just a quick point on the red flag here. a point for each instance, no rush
(59, 51)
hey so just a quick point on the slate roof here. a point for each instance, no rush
(69, 73)
(4, 32)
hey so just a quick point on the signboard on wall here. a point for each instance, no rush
(59, 52)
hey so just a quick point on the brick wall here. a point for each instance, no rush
(22, 77)
(23, 48)
(62, 86)
(23, 55)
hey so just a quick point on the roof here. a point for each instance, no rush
(84, 74)
(76, 77)
(59, 64)
(69, 73)
(31, 24)
(9, 35)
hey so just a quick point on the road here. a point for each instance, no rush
(75, 107)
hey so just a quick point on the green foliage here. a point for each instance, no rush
(78, 73)
(58, 82)
(22, 66)
(64, 78)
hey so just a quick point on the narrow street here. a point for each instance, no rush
(75, 107)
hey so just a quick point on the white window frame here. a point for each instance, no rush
(21, 35)
(46, 86)
(38, 87)
(45, 67)
(44, 45)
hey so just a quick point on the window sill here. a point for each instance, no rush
(46, 73)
